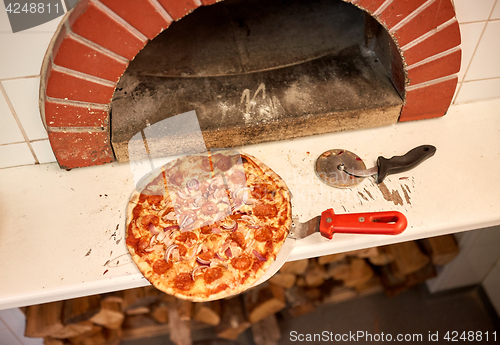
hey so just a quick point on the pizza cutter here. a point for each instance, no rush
(344, 169)
(329, 223)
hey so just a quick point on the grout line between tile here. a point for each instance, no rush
(162, 11)
(104, 107)
(434, 57)
(470, 81)
(23, 132)
(431, 82)
(456, 93)
(411, 16)
(96, 46)
(83, 76)
(120, 20)
(382, 8)
(16, 78)
(428, 34)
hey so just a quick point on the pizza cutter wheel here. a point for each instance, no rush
(327, 168)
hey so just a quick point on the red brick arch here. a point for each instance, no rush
(92, 49)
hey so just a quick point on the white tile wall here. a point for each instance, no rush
(21, 56)
(479, 77)
(23, 95)
(473, 10)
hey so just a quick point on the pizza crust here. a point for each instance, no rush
(200, 291)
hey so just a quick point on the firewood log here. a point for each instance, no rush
(80, 309)
(42, 320)
(266, 331)
(264, 301)
(208, 312)
(326, 259)
(382, 258)
(92, 337)
(139, 297)
(315, 274)
(159, 312)
(73, 330)
(233, 321)
(110, 315)
(180, 330)
(408, 257)
(340, 294)
(296, 267)
(441, 249)
(285, 280)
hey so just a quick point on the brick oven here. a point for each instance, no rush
(414, 45)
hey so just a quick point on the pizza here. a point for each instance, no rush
(204, 227)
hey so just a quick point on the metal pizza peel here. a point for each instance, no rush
(329, 223)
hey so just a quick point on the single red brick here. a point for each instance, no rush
(439, 12)
(65, 86)
(80, 57)
(61, 35)
(178, 8)
(81, 149)
(208, 2)
(439, 68)
(445, 39)
(399, 10)
(77, 11)
(96, 26)
(142, 15)
(429, 101)
(369, 5)
(74, 115)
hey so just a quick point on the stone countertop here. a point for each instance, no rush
(62, 232)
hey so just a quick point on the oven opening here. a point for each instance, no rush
(261, 70)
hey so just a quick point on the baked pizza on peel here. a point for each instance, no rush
(208, 226)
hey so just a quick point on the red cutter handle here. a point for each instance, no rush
(375, 223)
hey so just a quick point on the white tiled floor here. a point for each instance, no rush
(471, 11)
(23, 94)
(486, 62)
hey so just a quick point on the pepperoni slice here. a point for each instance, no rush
(238, 178)
(137, 210)
(259, 191)
(212, 274)
(160, 266)
(241, 263)
(206, 229)
(185, 236)
(206, 164)
(150, 219)
(265, 210)
(219, 288)
(143, 244)
(176, 178)
(131, 239)
(182, 250)
(183, 281)
(207, 254)
(154, 199)
(238, 238)
(224, 163)
(263, 234)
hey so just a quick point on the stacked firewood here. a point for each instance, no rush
(297, 289)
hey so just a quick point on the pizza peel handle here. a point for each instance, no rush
(375, 223)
